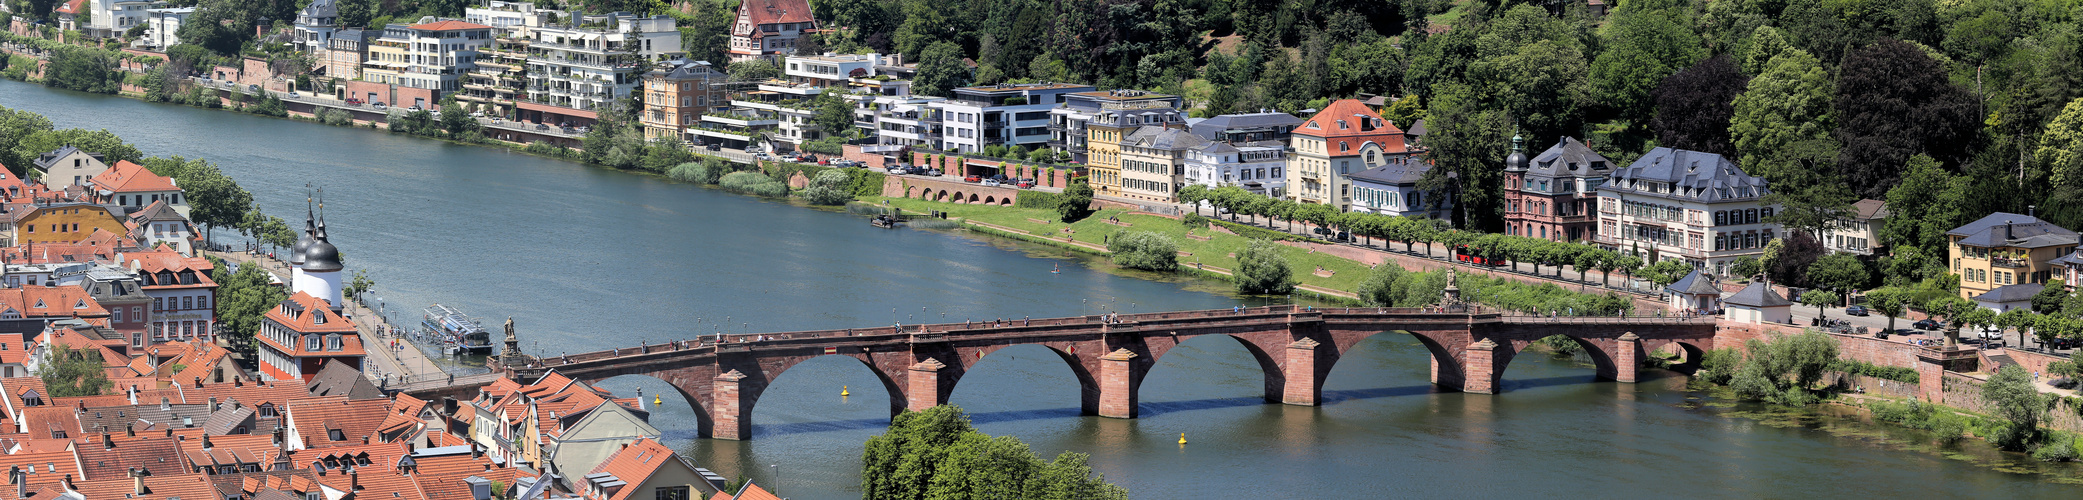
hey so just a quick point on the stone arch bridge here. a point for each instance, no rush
(919, 365)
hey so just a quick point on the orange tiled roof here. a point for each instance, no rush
(313, 417)
(48, 467)
(127, 177)
(50, 422)
(635, 463)
(1354, 123)
(450, 25)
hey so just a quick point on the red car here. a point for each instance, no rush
(973, 178)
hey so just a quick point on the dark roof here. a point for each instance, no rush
(320, 8)
(1693, 175)
(1569, 158)
(1394, 174)
(2003, 229)
(1758, 295)
(1870, 209)
(43, 162)
(2011, 293)
(1210, 127)
(682, 69)
(1416, 128)
(1696, 283)
(1163, 138)
(336, 379)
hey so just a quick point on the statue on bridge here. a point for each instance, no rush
(1451, 296)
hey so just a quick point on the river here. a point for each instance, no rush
(585, 258)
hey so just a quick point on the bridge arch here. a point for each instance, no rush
(995, 361)
(1261, 347)
(776, 378)
(760, 376)
(990, 200)
(668, 409)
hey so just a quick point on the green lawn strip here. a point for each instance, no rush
(1215, 251)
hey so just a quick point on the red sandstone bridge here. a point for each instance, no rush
(1296, 346)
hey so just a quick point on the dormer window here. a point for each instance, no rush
(31, 398)
(335, 435)
(311, 342)
(332, 342)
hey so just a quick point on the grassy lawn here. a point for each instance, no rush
(1215, 251)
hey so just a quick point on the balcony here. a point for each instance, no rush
(2009, 262)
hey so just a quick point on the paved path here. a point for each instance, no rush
(407, 362)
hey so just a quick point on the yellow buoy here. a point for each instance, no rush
(843, 393)
(655, 401)
(1182, 439)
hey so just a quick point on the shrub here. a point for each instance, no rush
(2056, 450)
(1719, 365)
(1076, 203)
(1145, 250)
(828, 188)
(2012, 398)
(752, 183)
(1038, 199)
(1782, 371)
(1263, 269)
(1191, 220)
(1379, 290)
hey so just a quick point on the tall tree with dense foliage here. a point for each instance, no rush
(71, 373)
(1787, 104)
(1146, 250)
(1694, 106)
(1467, 144)
(112, 148)
(1784, 370)
(15, 127)
(1645, 42)
(940, 71)
(1923, 205)
(1893, 102)
(937, 454)
(2013, 399)
(243, 297)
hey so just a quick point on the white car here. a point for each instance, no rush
(991, 183)
(293, 94)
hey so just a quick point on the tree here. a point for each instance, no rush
(357, 285)
(69, 373)
(1645, 44)
(112, 148)
(214, 199)
(2013, 400)
(1076, 203)
(1890, 301)
(1694, 106)
(1193, 194)
(455, 120)
(1788, 103)
(2060, 151)
(1893, 102)
(752, 70)
(830, 187)
(1144, 250)
(1788, 265)
(1467, 143)
(1782, 371)
(1957, 312)
(1819, 299)
(1745, 267)
(16, 126)
(243, 297)
(1667, 271)
(936, 453)
(1379, 290)
(940, 71)
(834, 114)
(1262, 270)
(1923, 206)
(84, 70)
(2048, 301)
(1840, 271)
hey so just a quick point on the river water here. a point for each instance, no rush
(585, 259)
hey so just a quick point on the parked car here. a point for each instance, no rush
(897, 170)
(293, 94)
(716, 146)
(1856, 310)
(917, 170)
(1002, 179)
(252, 88)
(1926, 324)
(973, 178)
(379, 105)
(1025, 183)
(542, 126)
(414, 107)
(991, 183)
(353, 101)
(933, 172)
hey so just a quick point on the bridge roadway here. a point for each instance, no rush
(1296, 346)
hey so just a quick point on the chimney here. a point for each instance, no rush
(21, 484)
(206, 442)
(354, 479)
(275, 438)
(137, 483)
(66, 482)
(130, 429)
(475, 452)
(106, 443)
(448, 406)
(198, 382)
(2007, 234)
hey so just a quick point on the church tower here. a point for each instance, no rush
(320, 274)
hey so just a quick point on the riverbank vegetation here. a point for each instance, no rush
(937, 454)
(1144, 250)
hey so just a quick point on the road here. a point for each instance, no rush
(407, 362)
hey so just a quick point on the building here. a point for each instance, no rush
(1067, 134)
(508, 16)
(112, 18)
(1254, 165)
(500, 74)
(590, 62)
(61, 222)
(776, 110)
(1153, 162)
(431, 57)
(1554, 196)
(67, 167)
(829, 70)
(68, 14)
(1248, 127)
(1757, 303)
(584, 440)
(132, 187)
(183, 296)
(1328, 148)
(908, 120)
(1389, 186)
(1011, 115)
(767, 28)
(343, 56)
(304, 332)
(645, 470)
(119, 292)
(677, 93)
(1697, 291)
(163, 24)
(2006, 249)
(1678, 204)
(2008, 297)
(316, 23)
(1858, 232)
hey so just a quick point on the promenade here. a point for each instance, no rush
(385, 364)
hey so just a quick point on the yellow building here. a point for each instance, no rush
(1103, 151)
(2005, 249)
(60, 223)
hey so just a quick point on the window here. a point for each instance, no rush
(311, 342)
(335, 434)
(672, 493)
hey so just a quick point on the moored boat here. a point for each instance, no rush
(457, 333)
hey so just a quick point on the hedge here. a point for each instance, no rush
(1038, 199)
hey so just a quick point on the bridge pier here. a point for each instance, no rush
(1627, 358)
(1479, 371)
(729, 413)
(924, 385)
(1300, 383)
(1117, 388)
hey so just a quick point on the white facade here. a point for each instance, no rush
(507, 15)
(1004, 115)
(316, 23)
(1389, 186)
(324, 285)
(161, 24)
(108, 18)
(901, 120)
(598, 61)
(1751, 314)
(1255, 166)
(1677, 204)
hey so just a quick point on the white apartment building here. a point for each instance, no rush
(590, 62)
(1389, 186)
(901, 120)
(433, 55)
(1678, 204)
(110, 18)
(507, 16)
(1153, 162)
(1858, 232)
(315, 25)
(1067, 132)
(162, 24)
(1256, 166)
(1004, 115)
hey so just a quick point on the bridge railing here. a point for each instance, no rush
(1627, 318)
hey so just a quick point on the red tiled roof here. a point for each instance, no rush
(127, 177)
(312, 417)
(1352, 123)
(48, 467)
(772, 12)
(635, 463)
(72, 7)
(450, 25)
(307, 321)
(749, 492)
(44, 422)
(160, 454)
(453, 486)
